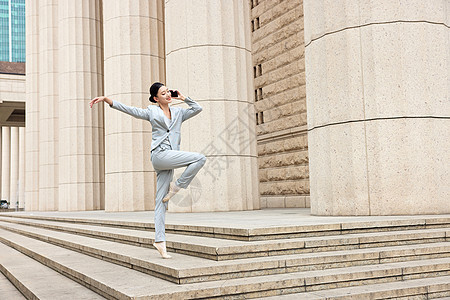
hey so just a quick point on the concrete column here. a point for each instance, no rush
(14, 168)
(48, 104)
(21, 190)
(378, 106)
(32, 106)
(1, 155)
(134, 58)
(81, 147)
(208, 48)
(6, 163)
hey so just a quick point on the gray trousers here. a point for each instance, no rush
(164, 160)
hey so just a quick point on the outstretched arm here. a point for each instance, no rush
(132, 111)
(100, 99)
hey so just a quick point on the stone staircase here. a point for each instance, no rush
(48, 257)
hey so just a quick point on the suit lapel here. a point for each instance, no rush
(161, 117)
(175, 114)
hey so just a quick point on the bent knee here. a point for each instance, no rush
(202, 159)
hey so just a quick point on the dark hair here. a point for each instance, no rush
(154, 91)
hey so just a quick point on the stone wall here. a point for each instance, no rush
(7, 67)
(280, 102)
(12, 88)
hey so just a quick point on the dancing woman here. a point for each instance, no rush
(165, 149)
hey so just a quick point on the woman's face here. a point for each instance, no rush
(163, 96)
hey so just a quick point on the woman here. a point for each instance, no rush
(165, 149)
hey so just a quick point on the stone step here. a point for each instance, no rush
(124, 283)
(187, 269)
(222, 249)
(250, 232)
(8, 290)
(36, 281)
(428, 288)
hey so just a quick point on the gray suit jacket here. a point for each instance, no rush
(155, 115)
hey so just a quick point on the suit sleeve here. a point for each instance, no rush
(136, 112)
(193, 110)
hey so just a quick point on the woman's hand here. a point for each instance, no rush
(100, 99)
(180, 96)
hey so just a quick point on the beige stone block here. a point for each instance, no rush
(283, 159)
(391, 55)
(295, 81)
(270, 47)
(294, 121)
(298, 187)
(285, 111)
(333, 79)
(272, 10)
(294, 97)
(288, 173)
(263, 175)
(387, 11)
(289, 35)
(288, 144)
(284, 58)
(295, 201)
(291, 13)
(407, 162)
(324, 16)
(338, 170)
(273, 202)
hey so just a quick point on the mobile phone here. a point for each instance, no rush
(173, 93)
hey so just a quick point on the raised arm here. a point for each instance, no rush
(193, 110)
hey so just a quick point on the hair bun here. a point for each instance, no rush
(154, 90)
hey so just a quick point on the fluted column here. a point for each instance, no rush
(133, 59)
(6, 164)
(14, 169)
(48, 104)
(81, 154)
(1, 158)
(32, 106)
(21, 191)
(208, 47)
(377, 89)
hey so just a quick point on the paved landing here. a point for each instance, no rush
(264, 218)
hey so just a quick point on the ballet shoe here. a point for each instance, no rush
(173, 189)
(161, 247)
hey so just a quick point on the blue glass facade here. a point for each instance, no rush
(12, 30)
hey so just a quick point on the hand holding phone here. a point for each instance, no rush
(173, 93)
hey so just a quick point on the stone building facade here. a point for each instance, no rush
(12, 122)
(335, 105)
(280, 102)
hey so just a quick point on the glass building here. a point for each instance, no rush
(12, 30)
